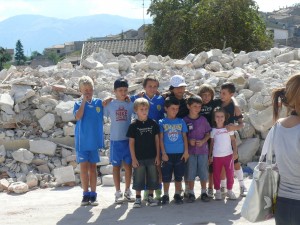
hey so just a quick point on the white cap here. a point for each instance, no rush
(177, 81)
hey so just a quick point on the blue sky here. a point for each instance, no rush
(71, 8)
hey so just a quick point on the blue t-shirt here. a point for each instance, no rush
(172, 130)
(120, 114)
(89, 129)
(156, 110)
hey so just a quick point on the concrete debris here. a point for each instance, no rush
(36, 106)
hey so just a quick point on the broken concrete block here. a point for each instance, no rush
(42, 147)
(65, 110)
(108, 180)
(23, 155)
(18, 187)
(64, 174)
(47, 122)
(31, 180)
(106, 169)
(21, 92)
(4, 184)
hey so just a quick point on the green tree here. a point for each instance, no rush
(53, 56)
(19, 56)
(4, 57)
(181, 26)
(34, 54)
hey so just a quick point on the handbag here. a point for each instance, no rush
(261, 198)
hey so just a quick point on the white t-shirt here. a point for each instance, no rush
(222, 142)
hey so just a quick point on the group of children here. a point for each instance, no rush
(168, 139)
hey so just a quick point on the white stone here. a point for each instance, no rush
(124, 64)
(18, 187)
(2, 153)
(247, 149)
(287, 57)
(108, 180)
(200, 60)
(65, 110)
(155, 66)
(42, 147)
(106, 169)
(23, 155)
(65, 152)
(239, 81)
(31, 180)
(47, 122)
(240, 60)
(6, 103)
(3, 74)
(248, 131)
(111, 65)
(64, 174)
(71, 158)
(104, 160)
(255, 84)
(39, 113)
(179, 64)
(21, 92)
(246, 92)
(90, 63)
(4, 184)
(261, 120)
(214, 66)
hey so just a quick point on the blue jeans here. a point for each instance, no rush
(287, 211)
(174, 164)
(146, 173)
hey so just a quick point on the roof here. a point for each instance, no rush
(116, 47)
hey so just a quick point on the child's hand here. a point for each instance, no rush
(210, 160)
(157, 161)
(165, 157)
(106, 101)
(192, 142)
(127, 98)
(135, 163)
(235, 155)
(199, 143)
(230, 127)
(141, 94)
(185, 156)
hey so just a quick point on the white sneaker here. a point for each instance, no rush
(243, 191)
(218, 195)
(128, 196)
(137, 203)
(118, 197)
(231, 195)
(223, 191)
(210, 193)
(152, 202)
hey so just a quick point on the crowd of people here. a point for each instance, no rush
(177, 136)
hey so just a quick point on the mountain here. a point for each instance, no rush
(39, 32)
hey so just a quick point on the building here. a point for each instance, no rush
(64, 49)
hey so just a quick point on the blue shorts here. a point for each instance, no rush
(119, 151)
(176, 165)
(197, 165)
(87, 156)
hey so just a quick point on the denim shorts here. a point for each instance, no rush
(146, 173)
(287, 211)
(197, 165)
(87, 156)
(119, 151)
(174, 165)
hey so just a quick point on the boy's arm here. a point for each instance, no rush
(157, 158)
(135, 163)
(164, 155)
(234, 147)
(185, 155)
(240, 125)
(80, 111)
(204, 140)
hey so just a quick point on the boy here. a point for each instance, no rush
(156, 112)
(174, 149)
(88, 138)
(144, 149)
(207, 93)
(198, 135)
(120, 111)
(235, 115)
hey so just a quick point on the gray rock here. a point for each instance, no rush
(64, 175)
(23, 155)
(247, 149)
(42, 147)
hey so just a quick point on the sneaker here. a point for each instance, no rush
(218, 195)
(186, 194)
(178, 199)
(191, 198)
(165, 199)
(231, 195)
(118, 197)
(210, 193)
(85, 200)
(152, 202)
(93, 200)
(137, 203)
(223, 191)
(128, 196)
(146, 193)
(243, 191)
(204, 197)
(157, 194)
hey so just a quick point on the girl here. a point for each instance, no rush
(287, 151)
(223, 151)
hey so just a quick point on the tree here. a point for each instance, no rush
(182, 26)
(19, 56)
(34, 54)
(4, 57)
(53, 56)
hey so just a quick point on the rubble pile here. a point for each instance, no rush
(37, 124)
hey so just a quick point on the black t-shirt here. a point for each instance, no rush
(183, 109)
(207, 111)
(230, 109)
(144, 136)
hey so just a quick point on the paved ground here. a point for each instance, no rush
(61, 206)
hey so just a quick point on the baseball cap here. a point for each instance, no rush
(177, 81)
(121, 82)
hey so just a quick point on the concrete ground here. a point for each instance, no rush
(61, 206)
